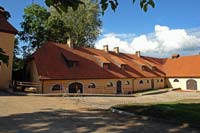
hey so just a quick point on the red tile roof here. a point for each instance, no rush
(185, 66)
(5, 26)
(51, 65)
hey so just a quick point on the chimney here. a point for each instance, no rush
(175, 56)
(116, 49)
(70, 43)
(105, 47)
(137, 53)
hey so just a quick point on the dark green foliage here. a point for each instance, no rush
(63, 5)
(40, 26)
(18, 63)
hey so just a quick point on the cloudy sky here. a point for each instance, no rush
(173, 26)
(162, 42)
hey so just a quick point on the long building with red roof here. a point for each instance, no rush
(64, 68)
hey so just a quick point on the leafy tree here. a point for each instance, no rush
(18, 62)
(34, 25)
(83, 24)
(40, 26)
(63, 5)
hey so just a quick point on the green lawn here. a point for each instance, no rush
(185, 111)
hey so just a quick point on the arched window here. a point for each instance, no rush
(141, 81)
(157, 80)
(56, 87)
(161, 80)
(127, 83)
(91, 85)
(147, 81)
(176, 80)
(109, 84)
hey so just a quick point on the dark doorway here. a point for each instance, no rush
(119, 87)
(76, 88)
(152, 83)
(191, 84)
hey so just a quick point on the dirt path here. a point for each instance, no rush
(24, 114)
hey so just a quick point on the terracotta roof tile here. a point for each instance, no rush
(5, 26)
(50, 64)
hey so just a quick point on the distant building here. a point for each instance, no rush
(7, 36)
(63, 68)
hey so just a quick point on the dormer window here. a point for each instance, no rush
(70, 63)
(106, 65)
(123, 66)
(143, 67)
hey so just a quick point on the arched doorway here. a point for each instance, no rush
(191, 84)
(119, 87)
(76, 88)
(152, 83)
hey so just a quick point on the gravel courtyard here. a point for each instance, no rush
(24, 114)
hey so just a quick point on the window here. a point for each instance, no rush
(56, 87)
(91, 85)
(127, 83)
(147, 81)
(161, 80)
(157, 80)
(141, 81)
(109, 84)
(176, 80)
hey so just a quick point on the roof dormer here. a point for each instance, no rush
(103, 62)
(117, 61)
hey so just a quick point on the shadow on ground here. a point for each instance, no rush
(60, 121)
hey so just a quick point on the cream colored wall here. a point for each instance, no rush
(182, 83)
(101, 87)
(148, 85)
(7, 44)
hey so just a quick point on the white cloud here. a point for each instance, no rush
(162, 42)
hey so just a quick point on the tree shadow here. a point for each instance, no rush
(93, 120)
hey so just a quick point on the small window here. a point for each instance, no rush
(91, 85)
(157, 80)
(176, 80)
(56, 87)
(109, 84)
(161, 80)
(127, 83)
(147, 81)
(141, 81)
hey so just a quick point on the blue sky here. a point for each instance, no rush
(129, 25)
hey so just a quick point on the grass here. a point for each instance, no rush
(185, 111)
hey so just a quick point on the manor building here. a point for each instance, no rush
(7, 37)
(62, 68)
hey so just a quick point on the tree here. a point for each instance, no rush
(83, 24)
(18, 62)
(40, 26)
(63, 5)
(34, 25)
